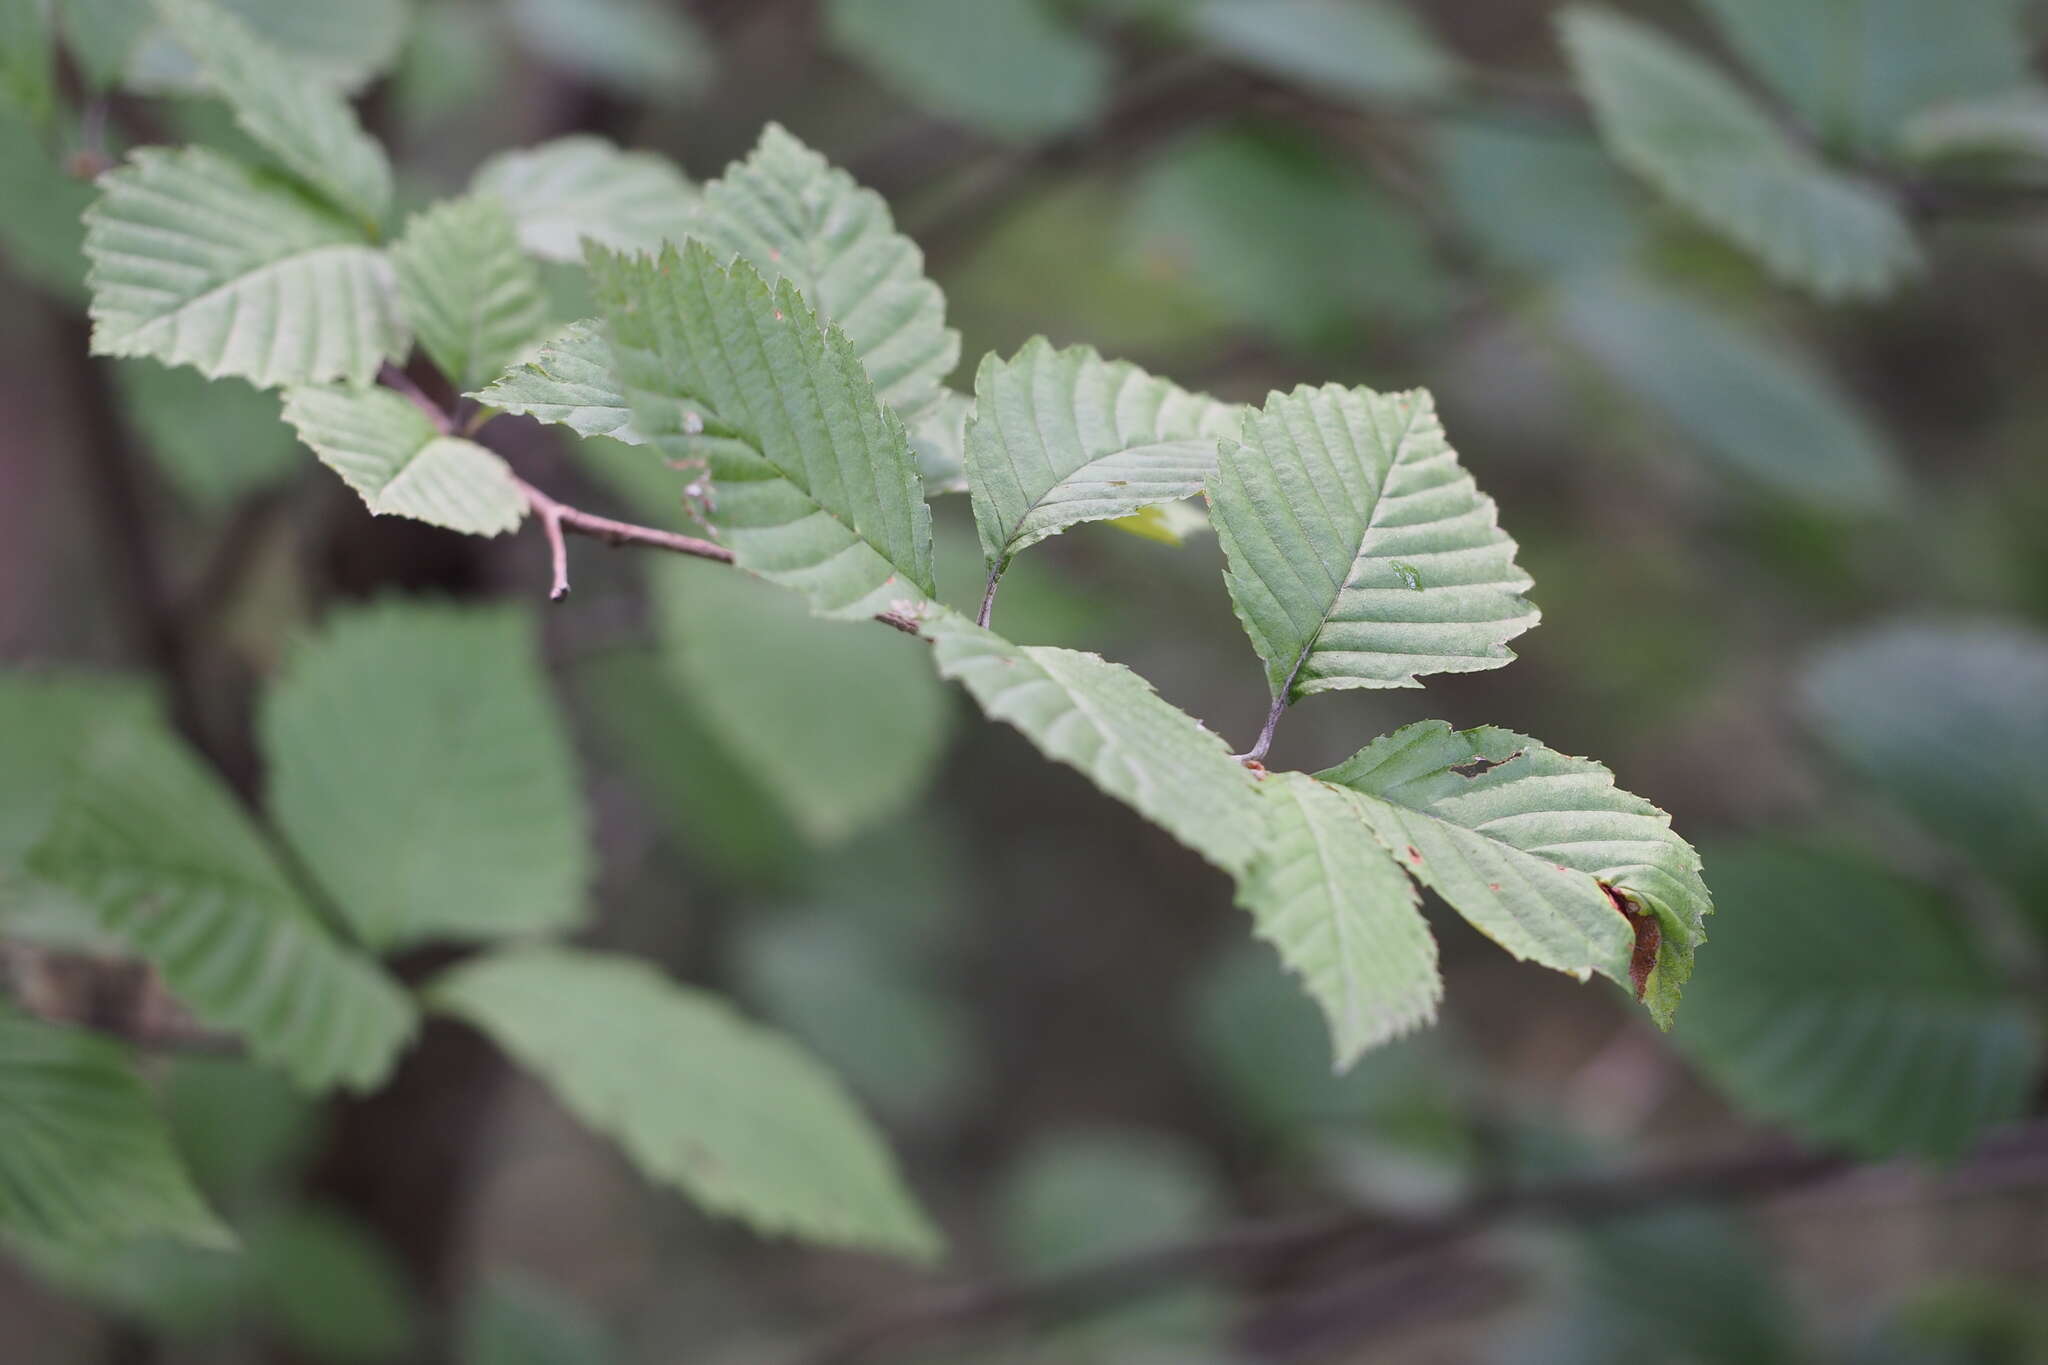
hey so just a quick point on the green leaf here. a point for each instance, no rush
(814, 480)
(1762, 411)
(330, 1287)
(729, 1112)
(1368, 51)
(173, 867)
(1688, 130)
(1107, 722)
(198, 260)
(1080, 1195)
(570, 382)
(1062, 437)
(2010, 124)
(843, 723)
(1169, 523)
(40, 231)
(216, 441)
(576, 187)
(474, 300)
(1572, 206)
(795, 217)
(1521, 840)
(508, 1319)
(391, 454)
(938, 439)
(1003, 67)
(344, 46)
(641, 48)
(1361, 553)
(85, 1162)
(28, 67)
(1950, 721)
(306, 125)
(1857, 68)
(1342, 915)
(418, 764)
(1849, 1006)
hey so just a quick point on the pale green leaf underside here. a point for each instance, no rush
(1849, 1006)
(387, 450)
(732, 1113)
(576, 187)
(472, 297)
(341, 45)
(419, 766)
(172, 867)
(938, 439)
(1361, 553)
(296, 117)
(1062, 437)
(1343, 916)
(1686, 128)
(2011, 123)
(569, 382)
(1519, 839)
(1106, 721)
(198, 260)
(1365, 50)
(814, 480)
(85, 1162)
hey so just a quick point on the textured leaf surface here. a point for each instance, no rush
(1062, 437)
(304, 123)
(814, 480)
(1342, 914)
(387, 450)
(1688, 130)
(575, 187)
(795, 217)
(85, 1161)
(1520, 839)
(1361, 553)
(1006, 67)
(1950, 721)
(172, 867)
(731, 1113)
(474, 300)
(418, 764)
(1106, 721)
(1849, 1006)
(198, 260)
(570, 382)
(1366, 50)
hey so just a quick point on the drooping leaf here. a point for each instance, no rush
(569, 381)
(1004, 67)
(796, 217)
(472, 298)
(575, 187)
(731, 1113)
(419, 766)
(1750, 403)
(1851, 1006)
(198, 260)
(215, 440)
(305, 124)
(1950, 721)
(843, 723)
(343, 46)
(642, 48)
(1364, 50)
(173, 868)
(1325, 893)
(814, 481)
(1361, 553)
(1533, 847)
(85, 1162)
(390, 453)
(1062, 437)
(1688, 130)
(1106, 721)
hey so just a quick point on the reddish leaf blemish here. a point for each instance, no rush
(1414, 854)
(1493, 886)
(1649, 938)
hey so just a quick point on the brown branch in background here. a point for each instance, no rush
(114, 996)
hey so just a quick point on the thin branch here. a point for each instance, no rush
(988, 599)
(1264, 742)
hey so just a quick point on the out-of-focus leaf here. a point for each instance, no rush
(385, 448)
(451, 62)
(1850, 1006)
(216, 440)
(2009, 124)
(199, 260)
(569, 381)
(243, 1127)
(179, 1291)
(1717, 1303)
(1763, 411)
(1004, 67)
(1856, 69)
(509, 1319)
(345, 45)
(419, 766)
(939, 441)
(842, 722)
(730, 1112)
(1950, 721)
(40, 229)
(330, 1288)
(1690, 131)
(1370, 51)
(28, 68)
(1571, 207)
(85, 1161)
(473, 299)
(47, 722)
(643, 48)
(575, 187)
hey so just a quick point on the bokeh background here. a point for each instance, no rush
(1790, 554)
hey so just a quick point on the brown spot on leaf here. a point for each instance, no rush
(1493, 886)
(1649, 938)
(1414, 854)
(1483, 764)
